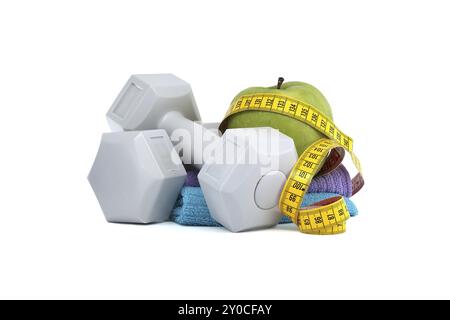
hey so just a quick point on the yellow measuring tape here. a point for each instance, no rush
(324, 217)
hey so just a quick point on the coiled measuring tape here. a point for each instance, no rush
(325, 217)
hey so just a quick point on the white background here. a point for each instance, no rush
(383, 65)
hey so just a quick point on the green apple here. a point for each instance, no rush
(302, 134)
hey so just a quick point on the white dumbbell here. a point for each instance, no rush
(242, 193)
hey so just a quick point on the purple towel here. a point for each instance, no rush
(338, 181)
(191, 178)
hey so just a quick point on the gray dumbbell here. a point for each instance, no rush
(240, 194)
(161, 101)
(136, 176)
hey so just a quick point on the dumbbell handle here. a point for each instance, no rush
(177, 125)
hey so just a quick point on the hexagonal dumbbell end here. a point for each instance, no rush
(147, 98)
(137, 176)
(243, 178)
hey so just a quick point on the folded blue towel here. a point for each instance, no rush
(191, 208)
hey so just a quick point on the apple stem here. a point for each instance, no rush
(280, 82)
